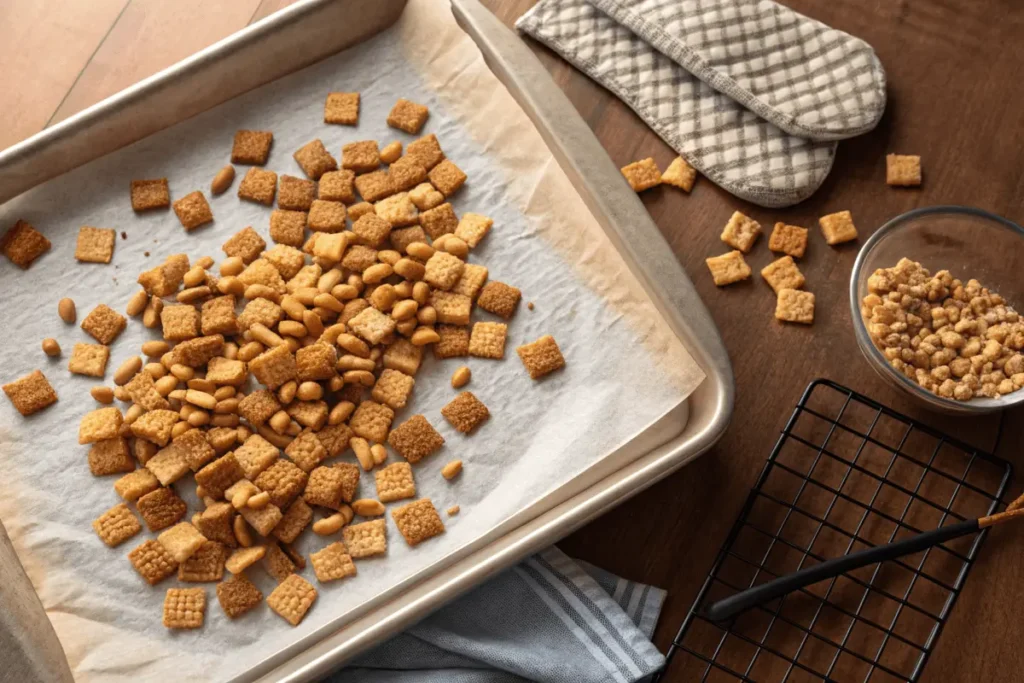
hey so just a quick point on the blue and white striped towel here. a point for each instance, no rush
(549, 619)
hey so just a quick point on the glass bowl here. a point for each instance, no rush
(969, 243)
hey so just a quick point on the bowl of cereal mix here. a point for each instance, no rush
(935, 295)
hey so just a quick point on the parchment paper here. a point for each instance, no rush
(625, 368)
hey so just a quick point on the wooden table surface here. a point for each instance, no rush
(953, 99)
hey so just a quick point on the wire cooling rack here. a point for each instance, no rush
(847, 473)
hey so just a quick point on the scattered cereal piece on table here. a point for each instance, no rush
(499, 299)
(258, 185)
(251, 147)
(454, 342)
(292, 599)
(95, 245)
(472, 228)
(838, 227)
(403, 356)
(110, 456)
(161, 508)
(220, 474)
(342, 108)
(372, 325)
(680, 174)
(418, 521)
(795, 306)
(487, 340)
(741, 232)
(179, 322)
(206, 564)
(295, 519)
(104, 324)
(398, 210)
(903, 170)
(152, 561)
(193, 210)
(218, 317)
(89, 359)
(181, 541)
(32, 393)
(783, 274)
(642, 175)
(372, 420)
(426, 151)
(150, 194)
(295, 194)
(184, 608)
(415, 439)
(332, 563)
(541, 357)
(305, 450)
(287, 259)
(277, 563)
(116, 525)
(395, 482)
(373, 187)
(452, 309)
(361, 157)
(331, 485)
(408, 116)
(465, 412)
(406, 173)
(472, 281)
(393, 388)
(156, 426)
(274, 367)
(237, 595)
(443, 270)
(440, 220)
(245, 244)
(447, 177)
(372, 229)
(728, 268)
(788, 239)
(195, 450)
(283, 480)
(337, 186)
(366, 539)
(136, 484)
(99, 425)
(216, 524)
(264, 519)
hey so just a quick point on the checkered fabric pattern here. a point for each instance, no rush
(732, 146)
(807, 78)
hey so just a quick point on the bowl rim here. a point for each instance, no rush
(974, 406)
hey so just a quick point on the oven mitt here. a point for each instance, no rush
(730, 144)
(808, 79)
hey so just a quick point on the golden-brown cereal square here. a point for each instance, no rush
(116, 525)
(372, 229)
(264, 519)
(454, 342)
(274, 367)
(251, 147)
(335, 438)
(361, 157)
(224, 371)
(198, 352)
(95, 245)
(403, 356)
(426, 150)
(180, 322)
(499, 299)
(33, 392)
(795, 306)
(373, 187)
(903, 170)
(488, 340)
(415, 439)
(295, 519)
(263, 272)
(342, 108)
(245, 244)
(155, 426)
(23, 244)
(366, 539)
(444, 270)
(408, 116)
(243, 558)
(316, 362)
(222, 439)
(258, 407)
(161, 508)
(789, 239)
(406, 173)
(110, 456)
(352, 309)
(287, 259)
(680, 174)
(332, 563)
(150, 194)
(195, 449)
(838, 227)
(541, 357)
(104, 324)
(277, 563)
(152, 561)
(100, 425)
(398, 210)
(328, 248)
(783, 274)
(326, 216)
(425, 196)
(395, 482)
(288, 227)
(357, 211)
(206, 564)
(330, 486)
(305, 450)
(741, 232)
(238, 595)
(256, 454)
(393, 388)
(447, 177)
(371, 420)
(218, 316)
(418, 521)
(400, 239)
(220, 474)
(314, 159)
(372, 325)
(142, 390)
(193, 210)
(642, 175)
(337, 186)
(452, 309)
(292, 599)
(728, 268)
(134, 485)
(262, 311)
(184, 608)
(359, 257)
(259, 185)
(472, 228)
(181, 541)
(283, 480)
(465, 412)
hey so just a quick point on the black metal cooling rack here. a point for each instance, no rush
(847, 473)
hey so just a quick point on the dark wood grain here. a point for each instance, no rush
(951, 72)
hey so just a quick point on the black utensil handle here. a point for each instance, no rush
(734, 604)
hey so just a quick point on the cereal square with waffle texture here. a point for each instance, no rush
(314, 159)
(116, 525)
(783, 274)
(373, 187)
(215, 523)
(403, 356)
(316, 361)
(136, 484)
(426, 150)
(95, 245)
(224, 371)
(415, 439)
(99, 425)
(274, 367)
(288, 227)
(292, 599)
(372, 230)
(360, 209)
(454, 342)
(180, 322)
(193, 210)
(194, 448)
(258, 407)
(251, 147)
(150, 194)
(447, 177)
(372, 420)
(342, 108)
(487, 340)
(259, 185)
(306, 451)
(184, 608)
(425, 196)
(237, 595)
(294, 521)
(795, 306)
(277, 563)
(452, 308)
(472, 228)
(679, 174)
(406, 173)
(838, 227)
(393, 388)
(728, 268)
(263, 272)
(220, 474)
(418, 521)
(23, 244)
(263, 519)
(283, 480)
(465, 412)
(152, 561)
(262, 311)
(366, 539)
(408, 116)
(361, 157)
(541, 357)
(337, 186)
(395, 482)
(441, 220)
(444, 270)
(32, 393)
(287, 259)
(788, 239)
(218, 316)
(499, 299)
(312, 414)
(110, 457)
(326, 216)
(398, 210)
(295, 194)
(246, 244)
(89, 359)
(903, 170)
(104, 324)
(642, 175)
(332, 563)
(329, 486)
(335, 438)
(400, 239)
(206, 564)
(181, 541)
(358, 258)
(161, 508)
(256, 454)
(372, 325)
(741, 232)
(155, 426)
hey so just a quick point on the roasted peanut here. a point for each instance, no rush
(128, 369)
(341, 412)
(51, 347)
(222, 181)
(368, 507)
(233, 265)
(361, 448)
(137, 303)
(309, 391)
(155, 348)
(452, 469)
(102, 394)
(66, 310)
(460, 377)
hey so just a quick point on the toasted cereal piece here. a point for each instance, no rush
(329, 246)
(465, 412)
(193, 210)
(473, 228)
(330, 486)
(795, 306)
(408, 116)
(403, 237)
(391, 152)
(393, 388)
(150, 194)
(283, 480)
(136, 484)
(161, 508)
(152, 561)
(499, 299)
(358, 258)
(274, 367)
(366, 539)
(142, 390)
(741, 232)
(372, 229)
(316, 362)
(541, 357)
(728, 268)
(418, 521)
(453, 510)
(95, 245)
(454, 342)
(237, 595)
(287, 259)
(783, 274)
(222, 371)
(403, 356)
(295, 519)
(398, 210)
(444, 270)
(680, 174)
(292, 599)
(206, 564)
(789, 239)
(332, 563)
(447, 177)
(110, 456)
(357, 211)
(219, 475)
(116, 525)
(305, 450)
(395, 482)
(361, 157)
(406, 173)
(425, 196)
(215, 523)
(245, 244)
(838, 227)
(335, 438)
(415, 439)
(104, 324)
(100, 425)
(288, 227)
(263, 519)
(258, 407)
(263, 272)
(33, 392)
(326, 216)
(155, 426)
(452, 309)
(371, 420)
(181, 541)
(259, 185)
(312, 414)
(198, 352)
(277, 563)
(243, 558)
(342, 108)
(337, 186)
(184, 608)
(195, 449)
(256, 455)
(642, 175)
(352, 309)
(488, 340)
(251, 147)
(426, 150)
(373, 187)
(262, 311)
(372, 325)
(180, 322)
(315, 160)
(902, 170)
(218, 316)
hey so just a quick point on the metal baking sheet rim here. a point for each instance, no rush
(620, 212)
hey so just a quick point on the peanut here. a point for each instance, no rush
(421, 292)
(222, 181)
(137, 303)
(242, 534)
(420, 250)
(452, 469)
(151, 316)
(155, 348)
(309, 391)
(368, 507)
(383, 298)
(361, 448)
(406, 327)
(51, 347)
(290, 328)
(456, 247)
(102, 394)
(327, 301)
(180, 428)
(353, 345)
(262, 292)
(200, 399)
(344, 292)
(453, 510)
(230, 284)
(165, 385)
(249, 351)
(193, 294)
(205, 262)
(376, 273)
(364, 377)
(410, 270)
(286, 392)
(329, 525)
(423, 336)
(233, 265)
(263, 335)
(183, 372)
(341, 412)
(379, 453)
(259, 501)
(280, 421)
(404, 310)
(313, 324)
(460, 377)
(351, 362)
(195, 276)
(427, 315)
(329, 280)
(66, 310)
(127, 370)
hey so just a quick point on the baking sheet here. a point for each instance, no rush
(625, 368)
